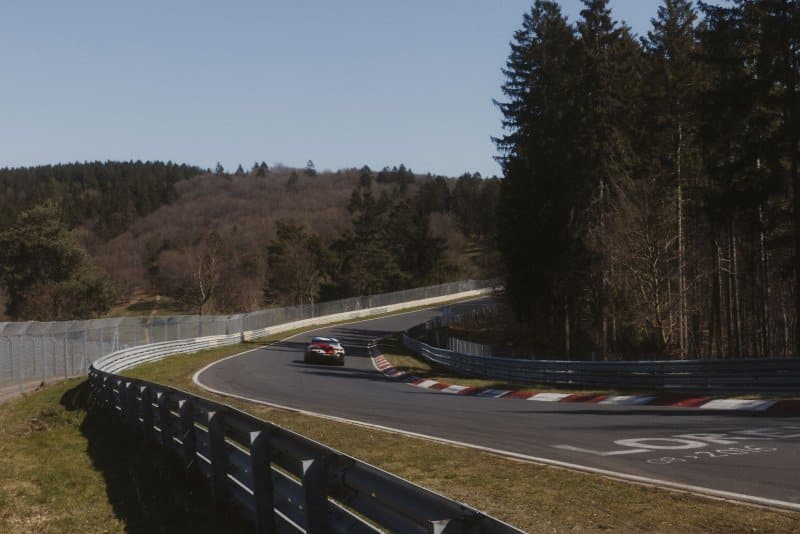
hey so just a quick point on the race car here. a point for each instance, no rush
(324, 350)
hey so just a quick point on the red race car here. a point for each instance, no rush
(324, 350)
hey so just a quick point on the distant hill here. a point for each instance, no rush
(158, 228)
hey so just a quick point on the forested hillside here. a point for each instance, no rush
(122, 234)
(651, 201)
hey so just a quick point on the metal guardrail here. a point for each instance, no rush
(281, 481)
(776, 375)
(33, 352)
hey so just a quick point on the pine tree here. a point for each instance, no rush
(537, 220)
(311, 170)
(673, 84)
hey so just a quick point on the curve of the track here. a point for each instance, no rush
(723, 451)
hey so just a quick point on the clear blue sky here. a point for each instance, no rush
(344, 83)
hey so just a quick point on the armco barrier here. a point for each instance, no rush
(775, 375)
(281, 481)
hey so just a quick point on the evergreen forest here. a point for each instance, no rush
(650, 206)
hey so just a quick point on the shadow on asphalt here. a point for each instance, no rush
(146, 486)
(287, 346)
(354, 374)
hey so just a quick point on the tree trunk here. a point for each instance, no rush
(785, 329)
(566, 328)
(681, 275)
(730, 323)
(721, 306)
(765, 334)
(736, 294)
(796, 210)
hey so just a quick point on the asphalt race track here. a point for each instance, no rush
(751, 455)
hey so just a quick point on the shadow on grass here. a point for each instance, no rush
(147, 487)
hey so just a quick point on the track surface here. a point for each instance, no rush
(724, 451)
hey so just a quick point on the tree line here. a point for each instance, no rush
(651, 201)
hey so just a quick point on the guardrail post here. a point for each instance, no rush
(43, 346)
(66, 351)
(131, 407)
(315, 486)
(164, 416)
(260, 456)
(147, 413)
(105, 392)
(122, 394)
(84, 363)
(216, 446)
(11, 357)
(186, 413)
(20, 363)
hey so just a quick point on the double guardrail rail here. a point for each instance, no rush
(281, 480)
(780, 376)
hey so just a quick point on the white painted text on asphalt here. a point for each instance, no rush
(679, 442)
